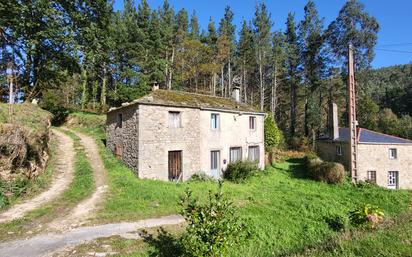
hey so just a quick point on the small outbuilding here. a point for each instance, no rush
(382, 159)
(171, 135)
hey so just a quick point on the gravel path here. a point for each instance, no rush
(79, 215)
(63, 176)
(47, 244)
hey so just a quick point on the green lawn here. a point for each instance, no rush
(287, 213)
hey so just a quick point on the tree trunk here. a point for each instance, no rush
(84, 89)
(104, 88)
(292, 108)
(169, 79)
(214, 83)
(262, 91)
(222, 82)
(229, 71)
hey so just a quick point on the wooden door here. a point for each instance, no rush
(175, 165)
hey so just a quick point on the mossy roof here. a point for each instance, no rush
(185, 99)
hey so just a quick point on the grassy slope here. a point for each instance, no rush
(28, 115)
(286, 212)
(81, 187)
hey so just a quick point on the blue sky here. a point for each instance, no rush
(393, 16)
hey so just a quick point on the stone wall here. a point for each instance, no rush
(326, 150)
(127, 137)
(233, 132)
(157, 139)
(376, 158)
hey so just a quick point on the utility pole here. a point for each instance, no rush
(352, 116)
(10, 71)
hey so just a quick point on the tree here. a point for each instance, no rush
(262, 38)
(292, 63)
(194, 26)
(313, 64)
(277, 63)
(356, 27)
(367, 113)
(246, 59)
(273, 135)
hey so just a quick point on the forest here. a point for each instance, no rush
(84, 55)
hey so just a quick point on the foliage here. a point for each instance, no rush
(240, 170)
(201, 176)
(273, 135)
(367, 215)
(212, 227)
(329, 172)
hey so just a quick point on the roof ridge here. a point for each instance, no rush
(199, 94)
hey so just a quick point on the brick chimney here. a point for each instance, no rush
(236, 94)
(333, 125)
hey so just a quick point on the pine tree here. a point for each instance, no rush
(194, 26)
(246, 60)
(262, 38)
(167, 20)
(313, 64)
(292, 64)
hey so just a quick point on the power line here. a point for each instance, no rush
(394, 51)
(399, 44)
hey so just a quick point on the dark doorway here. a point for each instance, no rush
(175, 165)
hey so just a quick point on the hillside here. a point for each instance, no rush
(24, 139)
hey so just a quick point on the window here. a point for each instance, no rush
(174, 120)
(371, 176)
(338, 150)
(253, 153)
(119, 120)
(392, 153)
(393, 179)
(215, 164)
(235, 154)
(252, 122)
(214, 121)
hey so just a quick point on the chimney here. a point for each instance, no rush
(155, 86)
(236, 94)
(333, 126)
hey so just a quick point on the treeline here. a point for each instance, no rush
(82, 54)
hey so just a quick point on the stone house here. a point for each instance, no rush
(382, 159)
(171, 135)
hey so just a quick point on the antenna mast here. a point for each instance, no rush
(352, 116)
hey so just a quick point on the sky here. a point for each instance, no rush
(394, 17)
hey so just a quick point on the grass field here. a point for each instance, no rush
(81, 187)
(287, 213)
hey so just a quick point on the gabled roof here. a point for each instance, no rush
(366, 136)
(185, 99)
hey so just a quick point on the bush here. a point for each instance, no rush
(273, 135)
(201, 176)
(212, 227)
(240, 170)
(366, 215)
(329, 172)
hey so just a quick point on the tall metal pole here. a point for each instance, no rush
(352, 116)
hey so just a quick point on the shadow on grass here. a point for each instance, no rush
(296, 168)
(163, 245)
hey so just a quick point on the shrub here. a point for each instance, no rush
(329, 172)
(240, 170)
(201, 176)
(273, 135)
(366, 215)
(212, 227)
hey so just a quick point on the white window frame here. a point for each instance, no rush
(172, 121)
(217, 118)
(256, 156)
(393, 156)
(215, 160)
(339, 150)
(371, 176)
(237, 148)
(252, 121)
(393, 179)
